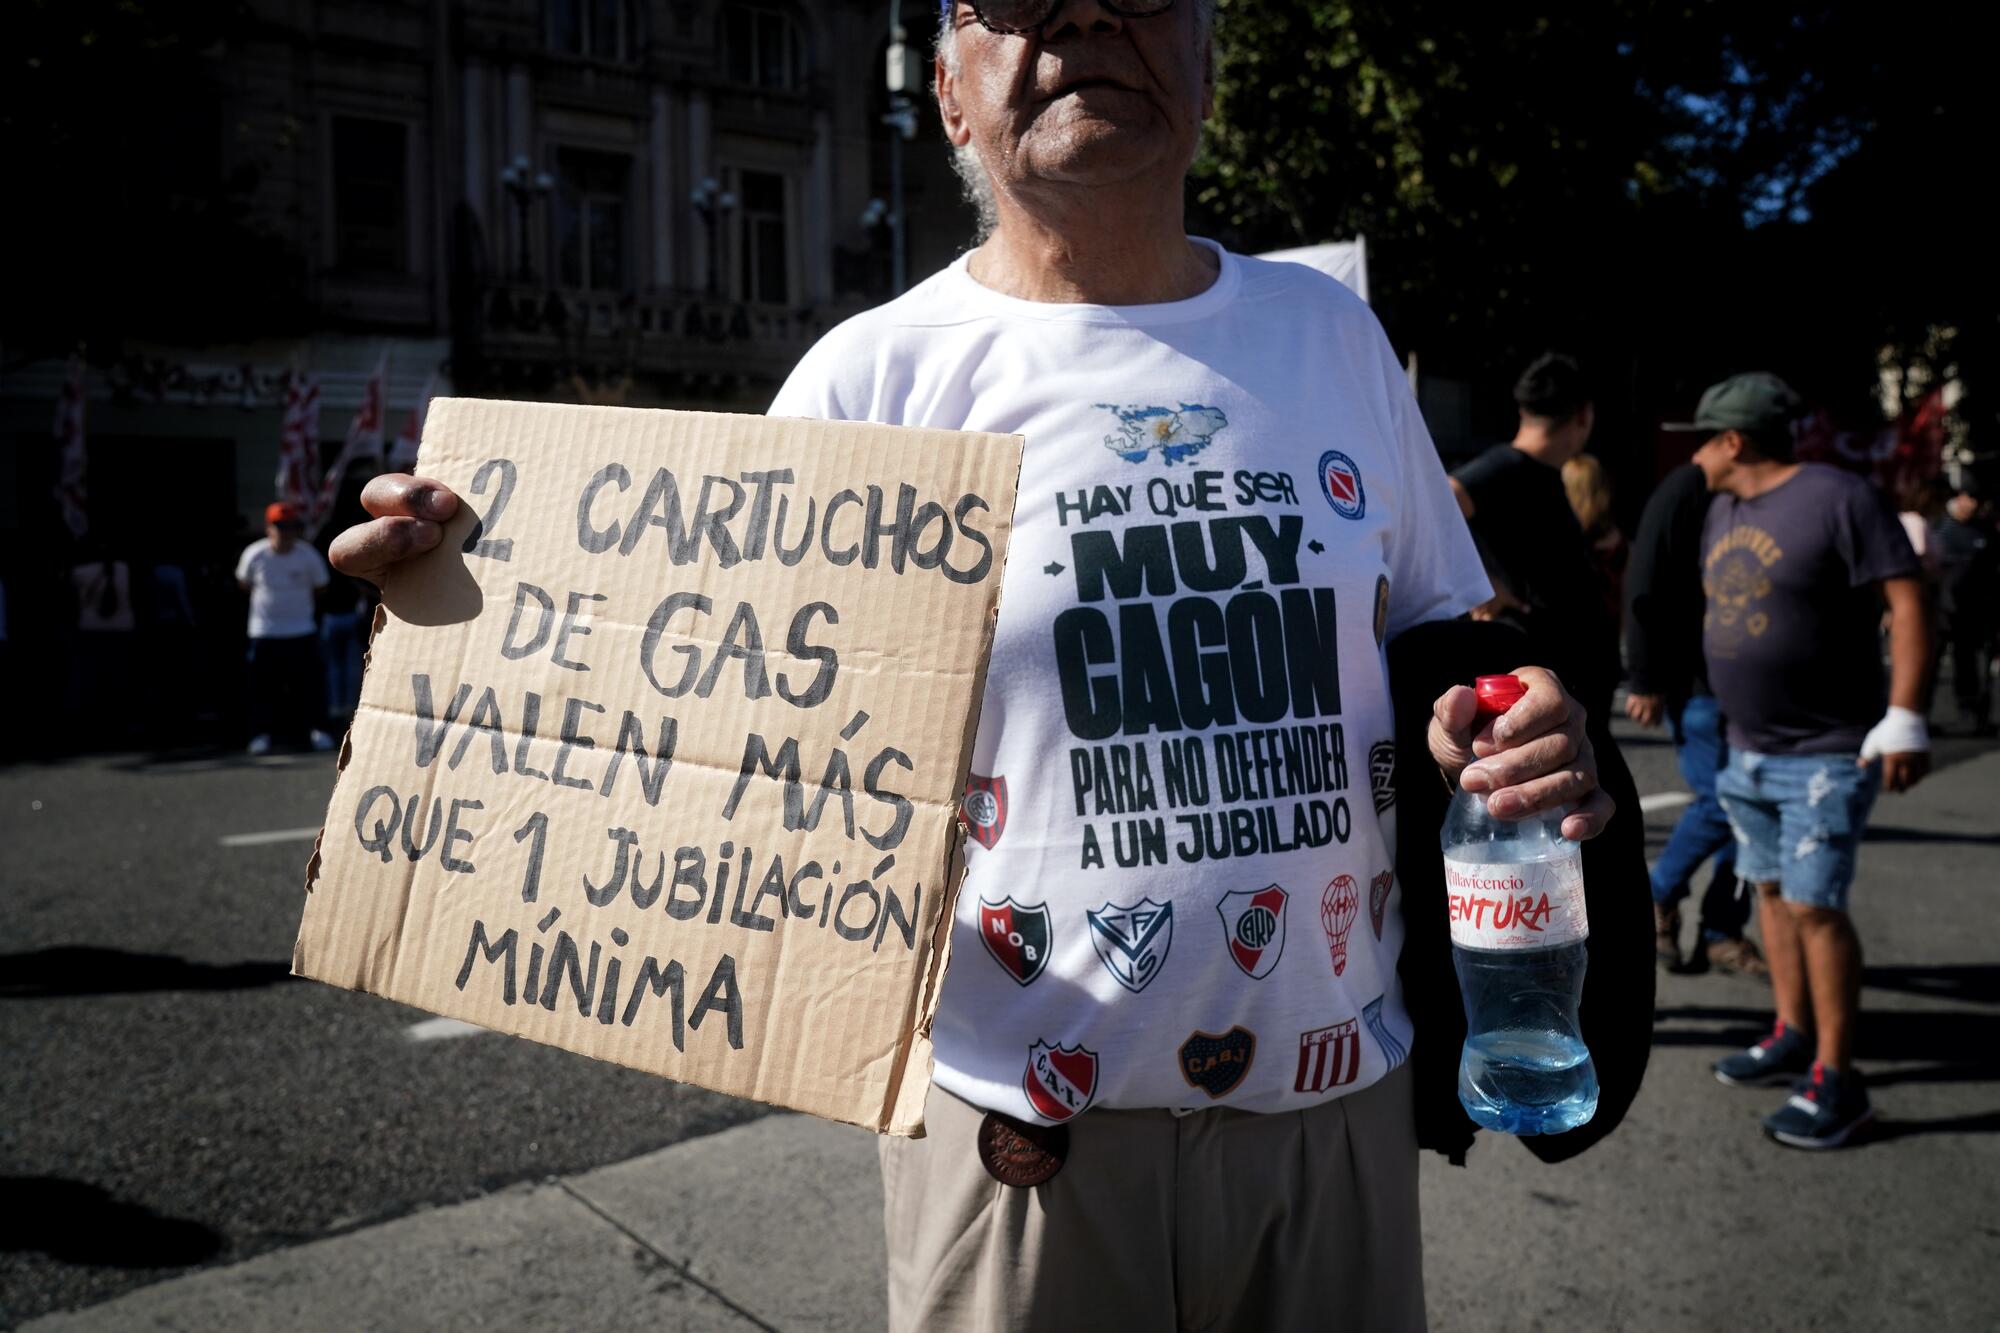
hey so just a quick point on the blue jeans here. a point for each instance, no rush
(1703, 830)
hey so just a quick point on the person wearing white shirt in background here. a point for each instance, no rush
(283, 575)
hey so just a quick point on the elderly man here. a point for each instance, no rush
(1171, 1088)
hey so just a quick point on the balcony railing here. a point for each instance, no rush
(670, 333)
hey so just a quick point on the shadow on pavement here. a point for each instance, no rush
(1887, 833)
(82, 1224)
(1954, 1046)
(1883, 1130)
(76, 969)
(1976, 983)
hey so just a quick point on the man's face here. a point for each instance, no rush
(282, 535)
(1093, 98)
(1716, 458)
(1962, 507)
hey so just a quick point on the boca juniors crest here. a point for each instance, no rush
(1253, 926)
(1328, 1057)
(1017, 935)
(985, 809)
(1060, 1080)
(1217, 1064)
(1133, 941)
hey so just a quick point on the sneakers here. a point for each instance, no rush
(1667, 936)
(1825, 1110)
(1782, 1056)
(320, 740)
(1738, 955)
(260, 744)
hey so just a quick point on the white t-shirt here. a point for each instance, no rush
(281, 588)
(1179, 888)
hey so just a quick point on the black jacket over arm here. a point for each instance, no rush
(1618, 984)
(1663, 595)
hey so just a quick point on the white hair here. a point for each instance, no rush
(972, 177)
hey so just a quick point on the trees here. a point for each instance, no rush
(1681, 189)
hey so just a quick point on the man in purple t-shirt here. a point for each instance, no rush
(1797, 562)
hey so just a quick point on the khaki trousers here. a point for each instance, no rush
(1215, 1220)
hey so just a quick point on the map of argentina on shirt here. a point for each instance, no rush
(1179, 890)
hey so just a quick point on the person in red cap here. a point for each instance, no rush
(282, 574)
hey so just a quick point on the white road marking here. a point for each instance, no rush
(275, 835)
(1665, 800)
(440, 1029)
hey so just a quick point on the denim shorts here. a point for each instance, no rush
(1798, 820)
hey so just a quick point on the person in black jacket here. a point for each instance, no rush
(1669, 681)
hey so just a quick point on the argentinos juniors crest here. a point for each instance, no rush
(1133, 941)
(1060, 1080)
(985, 809)
(1253, 926)
(1017, 935)
(1217, 1064)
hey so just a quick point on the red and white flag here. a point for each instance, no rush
(364, 441)
(298, 445)
(403, 452)
(70, 493)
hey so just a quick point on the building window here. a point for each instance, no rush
(370, 196)
(593, 29)
(591, 218)
(761, 49)
(764, 250)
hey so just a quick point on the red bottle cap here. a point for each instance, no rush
(1497, 694)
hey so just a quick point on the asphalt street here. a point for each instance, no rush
(175, 1101)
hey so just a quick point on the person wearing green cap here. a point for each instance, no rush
(1798, 560)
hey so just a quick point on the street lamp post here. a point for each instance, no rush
(525, 186)
(711, 201)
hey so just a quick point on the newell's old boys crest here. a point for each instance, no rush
(1060, 1080)
(1217, 1064)
(1328, 1057)
(1017, 935)
(986, 809)
(1340, 483)
(1378, 898)
(1133, 941)
(1253, 926)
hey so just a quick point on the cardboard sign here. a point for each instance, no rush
(659, 753)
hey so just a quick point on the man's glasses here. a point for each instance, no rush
(1017, 16)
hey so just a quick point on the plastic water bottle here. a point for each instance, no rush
(1518, 928)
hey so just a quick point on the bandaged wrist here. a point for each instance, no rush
(1901, 731)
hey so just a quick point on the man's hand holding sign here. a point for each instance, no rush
(662, 739)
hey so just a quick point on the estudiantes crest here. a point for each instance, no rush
(1060, 1081)
(1133, 941)
(1253, 928)
(1017, 935)
(985, 809)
